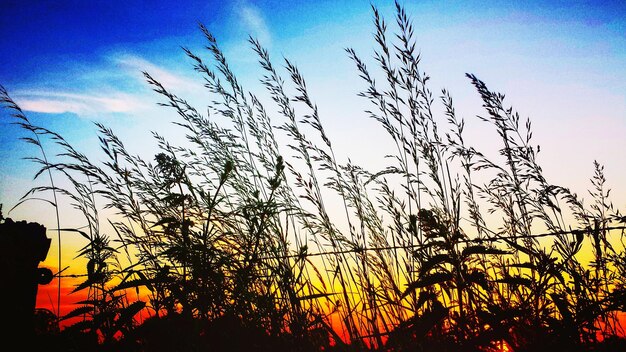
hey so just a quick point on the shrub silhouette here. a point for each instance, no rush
(23, 245)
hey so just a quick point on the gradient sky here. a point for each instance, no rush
(561, 63)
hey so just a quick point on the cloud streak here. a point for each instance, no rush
(253, 21)
(91, 99)
(134, 66)
(82, 104)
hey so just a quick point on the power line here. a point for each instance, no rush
(417, 246)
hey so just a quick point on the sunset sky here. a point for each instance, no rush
(68, 63)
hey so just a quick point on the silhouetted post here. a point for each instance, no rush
(22, 246)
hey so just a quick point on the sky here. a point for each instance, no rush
(70, 63)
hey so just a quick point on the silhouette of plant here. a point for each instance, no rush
(228, 239)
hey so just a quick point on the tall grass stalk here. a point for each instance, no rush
(35, 140)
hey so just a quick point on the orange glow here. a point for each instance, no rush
(47, 298)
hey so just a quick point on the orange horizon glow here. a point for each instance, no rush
(47, 293)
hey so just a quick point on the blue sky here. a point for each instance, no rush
(562, 63)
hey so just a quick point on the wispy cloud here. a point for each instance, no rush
(134, 66)
(170, 78)
(253, 21)
(132, 96)
(82, 104)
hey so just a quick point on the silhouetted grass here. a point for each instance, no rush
(230, 237)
